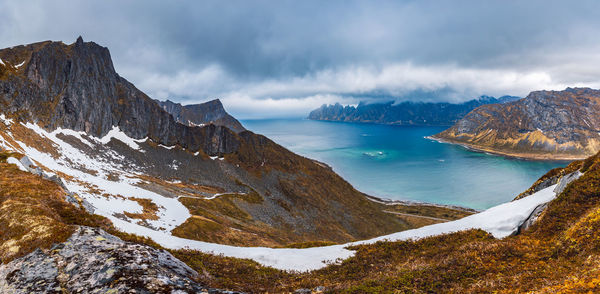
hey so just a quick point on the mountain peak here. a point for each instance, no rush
(79, 41)
(210, 112)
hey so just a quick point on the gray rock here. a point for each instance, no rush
(565, 180)
(93, 261)
(560, 187)
(211, 112)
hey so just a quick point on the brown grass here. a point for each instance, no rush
(33, 212)
(149, 209)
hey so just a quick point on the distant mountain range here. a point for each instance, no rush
(544, 125)
(405, 113)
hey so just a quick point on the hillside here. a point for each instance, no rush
(211, 112)
(559, 253)
(405, 113)
(544, 125)
(556, 254)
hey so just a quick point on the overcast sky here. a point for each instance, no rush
(284, 58)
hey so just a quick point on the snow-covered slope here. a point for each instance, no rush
(501, 221)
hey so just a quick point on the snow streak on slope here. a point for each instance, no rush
(90, 177)
(501, 221)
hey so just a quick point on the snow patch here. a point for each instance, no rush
(116, 133)
(69, 132)
(16, 162)
(5, 120)
(195, 125)
(20, 64)
(166, 147)
(221, 194)
(2, 62)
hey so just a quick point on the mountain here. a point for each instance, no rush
(211, 112)
(405, 113)
(544, 125)
(80, 119)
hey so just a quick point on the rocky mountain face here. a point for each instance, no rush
(405, 113)
(211, 112)
(544, 125)
(76, 87)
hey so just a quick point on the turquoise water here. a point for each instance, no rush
(397, 162)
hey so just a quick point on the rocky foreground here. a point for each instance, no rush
(93, 261)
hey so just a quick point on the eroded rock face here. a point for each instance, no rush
(546, 124)
(211, 112)
(76, 87)
(95, 261)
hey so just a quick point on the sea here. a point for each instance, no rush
(400, 163)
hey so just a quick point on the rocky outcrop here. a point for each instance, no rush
(211, 112)
(93, 261)
(561, 183)
(544, 125)
(406, 113)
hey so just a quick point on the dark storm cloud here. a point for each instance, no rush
(286, 57)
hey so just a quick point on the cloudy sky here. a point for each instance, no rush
(284, 58)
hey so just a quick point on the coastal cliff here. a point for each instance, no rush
(553, 125)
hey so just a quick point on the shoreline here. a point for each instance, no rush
(390, 202)
(514, 155)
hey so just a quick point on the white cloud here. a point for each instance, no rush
(296, 96)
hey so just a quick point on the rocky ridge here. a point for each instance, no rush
(211, 112)
(544, 125)
(76, 87)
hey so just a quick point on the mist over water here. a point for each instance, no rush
(397, 162)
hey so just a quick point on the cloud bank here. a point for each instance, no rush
(284, 58)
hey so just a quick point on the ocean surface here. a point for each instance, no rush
(397, 162)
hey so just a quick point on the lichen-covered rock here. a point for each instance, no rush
(93, 261)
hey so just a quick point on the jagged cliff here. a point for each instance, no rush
(544, 125)
(76, 87)
(211, 112)
(405, 113)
